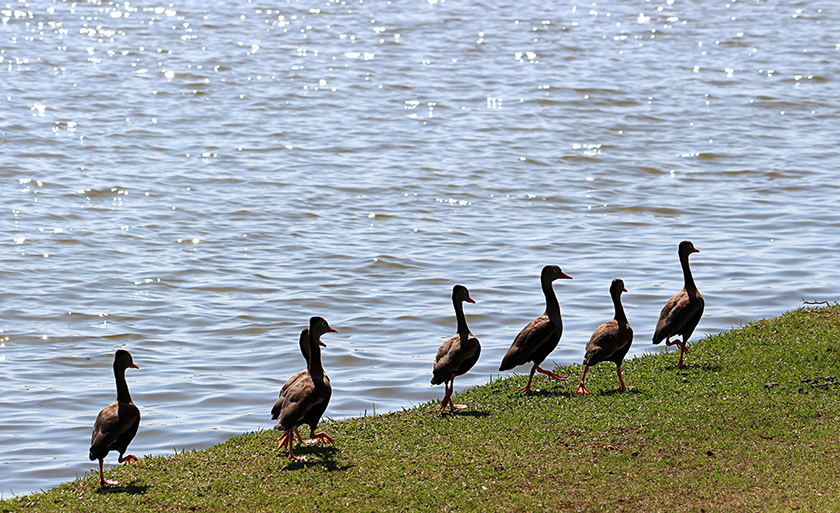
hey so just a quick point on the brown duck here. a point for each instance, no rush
(304, 349)
(539, 338)
(117, 423)
(682, 312)
(457, 354)
(304, 398)
(611, 341)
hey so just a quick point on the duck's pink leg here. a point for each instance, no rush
(551, 374)
(128, 459)
(447, 396)
(683, 349)
(451, 390)
(102, 480)
(582, 389)
(620, 380)
(527, 387)
(321, 437)
(288, 439)
(284, 441)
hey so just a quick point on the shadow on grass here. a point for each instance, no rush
(130, 488)
(315, 456)
(466, 413)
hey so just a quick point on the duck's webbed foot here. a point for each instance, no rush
(320, 437)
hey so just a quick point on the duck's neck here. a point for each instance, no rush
(314, 367)
(122, 387)
(552, 307)
(690, 287)
(619, 309)
(304, 344)
(463, 329)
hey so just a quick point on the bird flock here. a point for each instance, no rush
(305, 396)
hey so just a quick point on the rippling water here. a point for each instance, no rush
(192, 181)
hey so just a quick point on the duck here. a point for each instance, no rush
(116, 425)
(457, 354)
(304, 349)
(681, 313)
(610, 341)
(305, 396)
(539, 338)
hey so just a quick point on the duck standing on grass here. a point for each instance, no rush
(682, 312)
(457, 354)
(539, 338)
(611, 341)
(304, 349)
(117, 423)
(304, 398)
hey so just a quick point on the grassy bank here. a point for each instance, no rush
(752, 422)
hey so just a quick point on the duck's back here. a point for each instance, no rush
(114, 429)
(532, 344)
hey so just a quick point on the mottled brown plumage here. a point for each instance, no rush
(304, 398)
(304, 349)
(683, 311)
(610, 341)
(117, 423)
(457, 354)
(539, 338)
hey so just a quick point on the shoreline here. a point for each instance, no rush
(747, 423)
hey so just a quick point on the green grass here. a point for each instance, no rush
(752, 422)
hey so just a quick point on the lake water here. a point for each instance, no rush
(192, 181)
